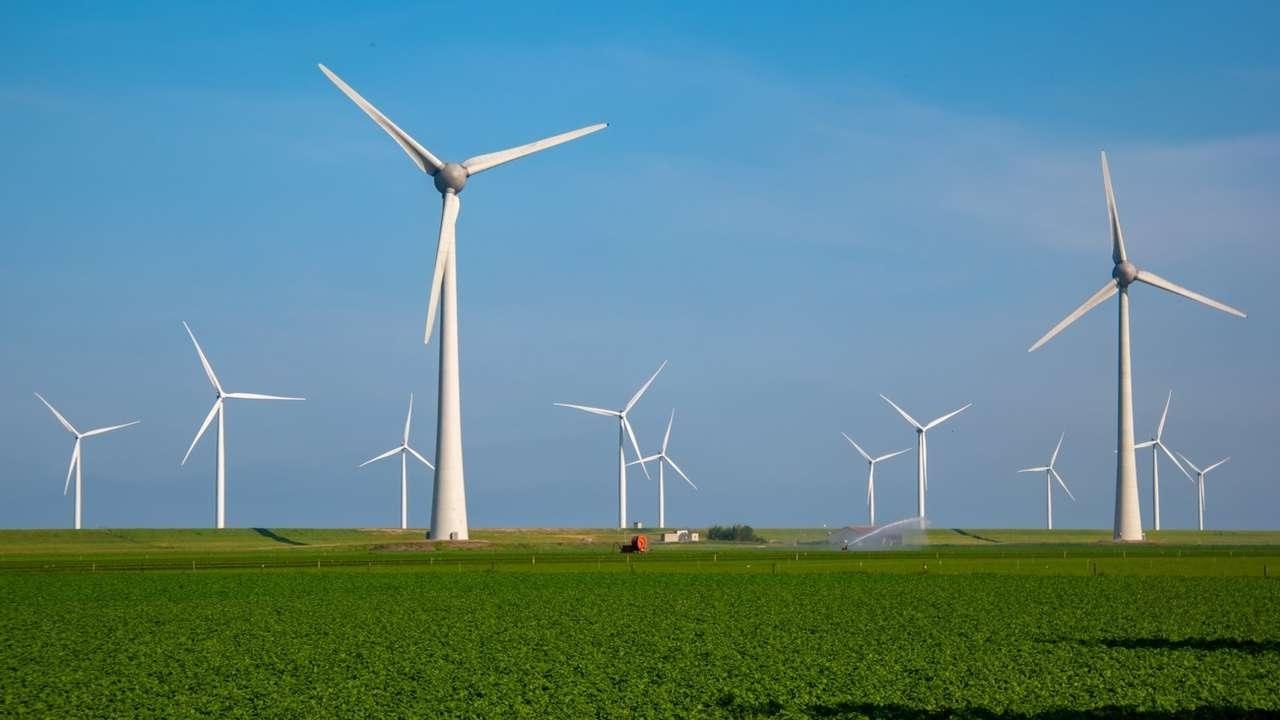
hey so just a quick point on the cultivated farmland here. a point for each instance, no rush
(555, 630)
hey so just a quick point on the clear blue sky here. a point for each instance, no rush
(799, 207)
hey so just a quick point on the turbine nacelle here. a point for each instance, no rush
(1124, 273)
(451, 178)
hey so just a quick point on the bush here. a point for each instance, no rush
(736, 533)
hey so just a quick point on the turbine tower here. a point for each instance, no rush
(1128, 516)
(1200, 484)
(76, 457)
(449, 502)
(1051, 474)
(624, 431)
(664, 459)
(871, 475)
(1157, 445)
(403, 450)
(922, 449)
(219, 409)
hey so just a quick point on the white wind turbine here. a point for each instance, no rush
(664, 459)
(871, 475)
(1051, 474)
(1157, 445)
(1128, 516)
(403, 450)
(449, 502)
(76, 457)
(922, 449)
(219, 409)
(624, 431)
(1200, 484)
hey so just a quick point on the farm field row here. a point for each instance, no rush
(578, 550)
(391, 642)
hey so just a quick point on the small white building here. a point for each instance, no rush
(680, 536)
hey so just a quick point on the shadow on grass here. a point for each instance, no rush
(264, 532)
(891, 711)
(966, 533)
(1203, 644)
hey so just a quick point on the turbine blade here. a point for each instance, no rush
(444, 255)
(1054, 458)
(676, 467)
(75, 458)
(1142, 445)
(649, 459)
(480, 163)
(636, 398)
(208, 369)
(259, 396)
(947, 417)
(890, 455)
(1035, 469)
(217, 405)
(1163, 416)
(1094, 300)
(592, 410)
(1190, 464)
(1175, 460)
(1113, 216)
(387, 454)
(1058, 477)
(103, 431)
(626, 424)
(857, 447)
(407, 419)
(1206, 470)
(421, 459)
(667, 436)
(58, 415)
(1152, 279)
(421, 157)
(904, 414)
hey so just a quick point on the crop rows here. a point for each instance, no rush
(405, 643)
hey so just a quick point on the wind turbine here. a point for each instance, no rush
(624, 431)
(922, 449)
(449, 503)
(1051, 474)
(664, 459)
(1128, 516)
(403, 450)
(219, 409)
(1200, 483)
(76, 457)
(1157, 445)
(871, 475)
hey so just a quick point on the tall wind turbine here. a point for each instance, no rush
(403, 450)
(922, 449)
(1128, 517)
(624, 431)
(76, 457)
(1200, 484)
(663, 460)
(219, 409)
(1051, 474)
(449, 502)
(1157, 445)
(871, 475)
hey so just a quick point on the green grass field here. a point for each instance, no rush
(1006, 624)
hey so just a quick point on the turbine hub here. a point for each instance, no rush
(451, 177)
(1124, 273)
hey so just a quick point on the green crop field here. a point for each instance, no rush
(524, 623)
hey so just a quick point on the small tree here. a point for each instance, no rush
(734, 533)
